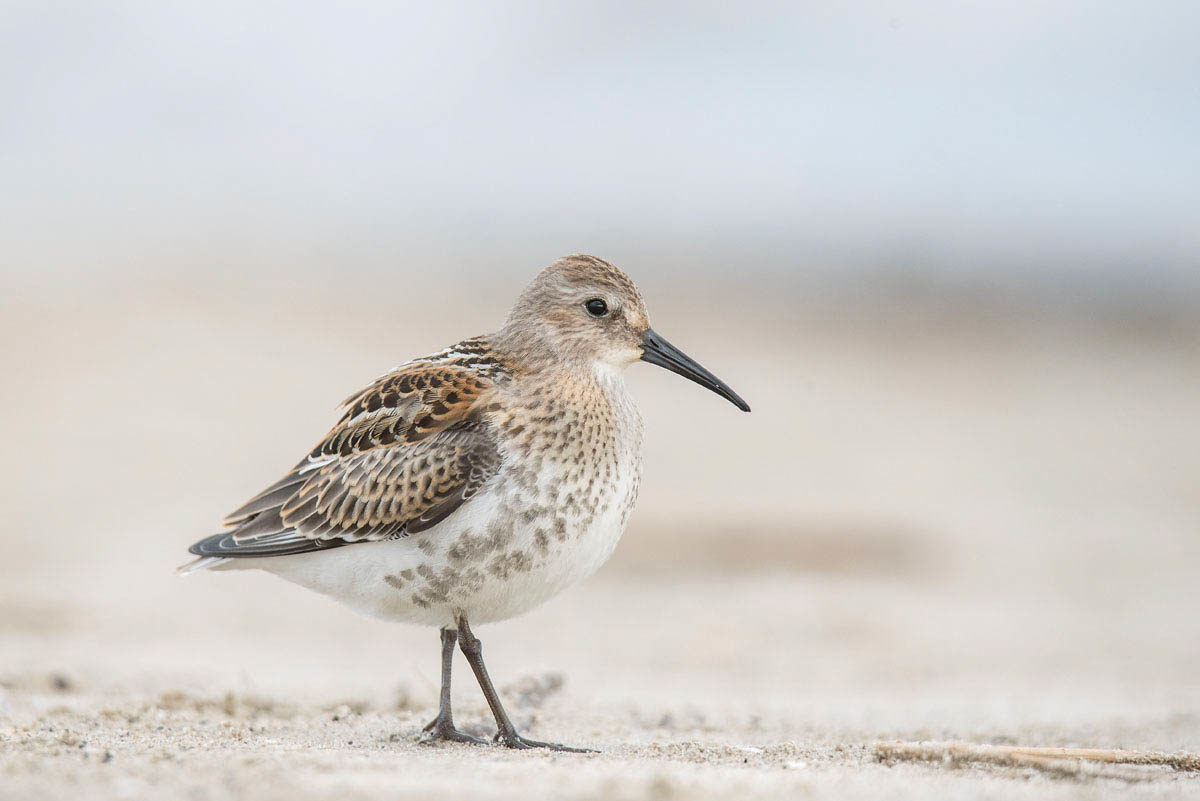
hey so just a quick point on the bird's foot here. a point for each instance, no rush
(515, 740)
(443, 731)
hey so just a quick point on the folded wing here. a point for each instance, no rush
(407, 452)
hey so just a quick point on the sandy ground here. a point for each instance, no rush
(935, 526)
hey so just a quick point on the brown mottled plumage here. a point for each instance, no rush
(408, 450)
(477, 482)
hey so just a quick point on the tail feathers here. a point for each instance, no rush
(203, 563)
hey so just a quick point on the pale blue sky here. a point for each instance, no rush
(1053, 139)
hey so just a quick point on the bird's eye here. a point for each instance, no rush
(596, 307)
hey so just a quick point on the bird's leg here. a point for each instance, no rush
(442, 727)
(507, 735)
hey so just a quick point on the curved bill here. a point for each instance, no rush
(657, 350)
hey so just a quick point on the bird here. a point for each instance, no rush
(471, 485)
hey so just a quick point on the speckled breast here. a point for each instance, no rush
(555, 511)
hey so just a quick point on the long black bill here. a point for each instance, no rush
(657, 350)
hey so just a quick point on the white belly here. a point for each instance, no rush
(505, 551)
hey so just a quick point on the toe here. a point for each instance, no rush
(449, 734)
(523, 743)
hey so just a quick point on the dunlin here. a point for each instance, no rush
(473, 484)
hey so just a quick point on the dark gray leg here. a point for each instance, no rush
(442, 727)
(507, 735)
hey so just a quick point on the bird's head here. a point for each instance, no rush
(583, 310)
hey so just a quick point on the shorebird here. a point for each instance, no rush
(472, 485)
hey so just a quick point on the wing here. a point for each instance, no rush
(407, 451)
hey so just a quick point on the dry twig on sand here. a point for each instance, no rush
(1059, 761)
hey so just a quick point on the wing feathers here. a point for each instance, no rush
(407, 452)
(269, 498)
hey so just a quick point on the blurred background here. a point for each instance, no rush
(948, 252)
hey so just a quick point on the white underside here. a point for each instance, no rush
(357, 575)
(379, 579)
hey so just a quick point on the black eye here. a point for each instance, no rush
(596, 307)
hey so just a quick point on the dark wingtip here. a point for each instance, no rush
(209, 546)
(225, 545)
